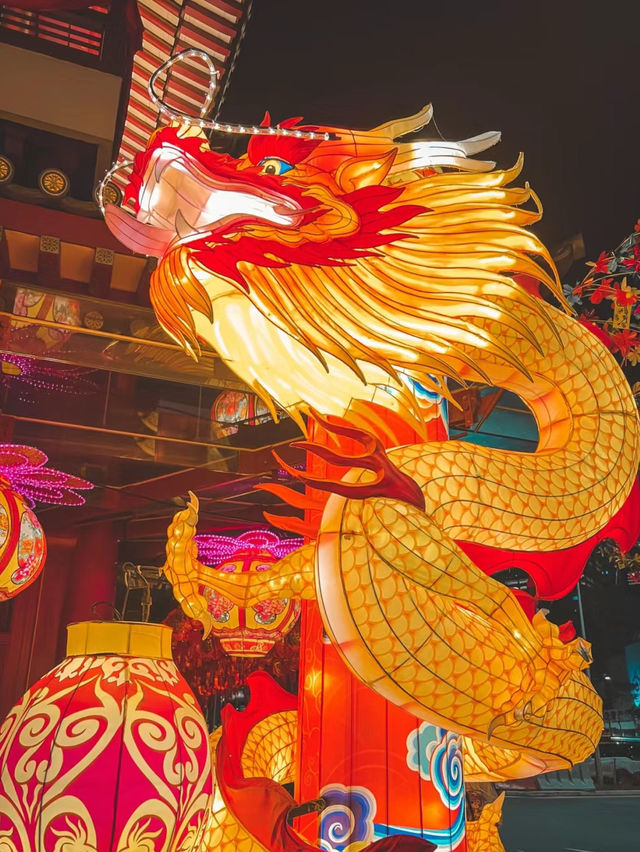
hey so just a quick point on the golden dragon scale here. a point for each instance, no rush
(339, 272)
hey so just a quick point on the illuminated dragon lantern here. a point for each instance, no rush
(338, 273)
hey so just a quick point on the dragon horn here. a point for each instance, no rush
(401, 126)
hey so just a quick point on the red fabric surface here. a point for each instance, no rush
(107, 757)
(259, 804)
(401, 843)
(556, 573)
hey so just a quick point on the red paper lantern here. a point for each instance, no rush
(108, 751)
(23, 548)
(251, 632)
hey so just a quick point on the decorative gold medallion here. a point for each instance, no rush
(7, 170)
(54, 182)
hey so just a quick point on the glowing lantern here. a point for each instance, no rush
(230, 408)
(23, 547)
(108, 750)
(23, 480)
(234, 407)
(254, 630)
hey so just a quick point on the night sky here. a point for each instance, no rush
(561, 80)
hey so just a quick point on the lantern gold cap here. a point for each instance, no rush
(124, 638)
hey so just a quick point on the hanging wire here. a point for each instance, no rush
(200, 120)
(117, 167)
(115, 612)
(209, 123)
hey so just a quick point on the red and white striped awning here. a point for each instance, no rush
(171, 26)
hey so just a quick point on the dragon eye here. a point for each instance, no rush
(275, 166)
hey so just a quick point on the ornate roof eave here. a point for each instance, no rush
(171, 27)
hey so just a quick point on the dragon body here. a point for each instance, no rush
(482, 834)
(341, 275)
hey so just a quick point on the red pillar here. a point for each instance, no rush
(31, 649)
(93, 573)
(367, 756)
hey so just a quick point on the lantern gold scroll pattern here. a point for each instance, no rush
(23, 547)
(108, 751)
(250, 631)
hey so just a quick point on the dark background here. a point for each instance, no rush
(560, 79)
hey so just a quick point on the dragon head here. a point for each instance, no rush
(327, 265)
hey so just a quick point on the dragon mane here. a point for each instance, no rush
(394, 265)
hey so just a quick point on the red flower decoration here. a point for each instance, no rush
(218, 605)
(602, 263)
(604, 291)
(247, 631)
(624, 341)
(267, 611)
(623, 296)
(632, 263)
(600, 333)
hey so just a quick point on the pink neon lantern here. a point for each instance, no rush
(24, 479)
(24, 470)
(250, 632)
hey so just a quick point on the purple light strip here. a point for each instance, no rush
(24, 469)
(215, 549)
(69, 380)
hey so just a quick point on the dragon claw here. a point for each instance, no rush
(496, 722)
(526, 712)
(520, 714)
(585, 652)
(389, 481)
(207, 626)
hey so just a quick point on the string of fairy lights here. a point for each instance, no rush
(216, 549)
(200, 120)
